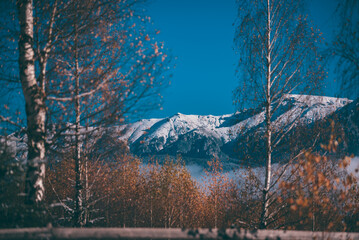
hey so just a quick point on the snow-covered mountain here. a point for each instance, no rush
(199, 138)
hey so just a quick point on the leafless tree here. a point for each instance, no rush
(107, 67)
(83, 65)
(345, 47)
(278, 57)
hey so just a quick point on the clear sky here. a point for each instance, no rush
(200, 34)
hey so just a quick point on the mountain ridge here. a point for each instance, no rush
(207, 136)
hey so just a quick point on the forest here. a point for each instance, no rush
(73, 73)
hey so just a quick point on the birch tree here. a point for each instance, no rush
(278, 57)
(20, 27)
(116, 69)
(35, 105)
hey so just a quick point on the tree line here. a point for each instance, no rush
(318, 194)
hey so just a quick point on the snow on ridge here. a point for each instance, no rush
(321, 106)
(135, 130)
(169, 129)
(313, 99)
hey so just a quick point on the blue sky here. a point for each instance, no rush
(200, 34)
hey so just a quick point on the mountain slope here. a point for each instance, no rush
(198, 137)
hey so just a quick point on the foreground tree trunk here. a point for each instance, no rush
(35, 107)
(268, 116)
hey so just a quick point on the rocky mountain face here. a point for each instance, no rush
(239, 137)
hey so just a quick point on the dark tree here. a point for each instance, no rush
(345, 48)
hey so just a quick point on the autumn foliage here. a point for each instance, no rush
(130, 193)
(321, 194)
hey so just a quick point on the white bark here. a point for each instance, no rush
(268, 115)
(35, 106)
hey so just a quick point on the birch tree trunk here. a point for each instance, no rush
(35, 106)
(268, 116)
